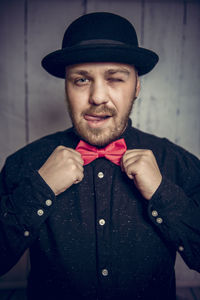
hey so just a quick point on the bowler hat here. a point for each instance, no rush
(100, 37)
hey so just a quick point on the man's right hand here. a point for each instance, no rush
(63, 168)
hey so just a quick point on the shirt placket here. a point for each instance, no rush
(102, 185)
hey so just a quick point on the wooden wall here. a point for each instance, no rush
(32, 103)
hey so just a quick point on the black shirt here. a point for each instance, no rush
(100, 239)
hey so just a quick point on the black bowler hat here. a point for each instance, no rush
(100, 37)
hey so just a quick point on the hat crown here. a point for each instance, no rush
(100, 26)
(100, 37)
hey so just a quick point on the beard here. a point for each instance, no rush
(100, 137)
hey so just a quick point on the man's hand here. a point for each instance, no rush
(63, 168)
(141, 166)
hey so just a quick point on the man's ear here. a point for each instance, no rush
(138, 86)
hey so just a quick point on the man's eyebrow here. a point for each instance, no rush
(107, 72)
(77, 72)
(114, 71)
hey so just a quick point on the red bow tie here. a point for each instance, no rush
(113, 151)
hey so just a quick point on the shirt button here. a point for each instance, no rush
(154, 213)
(159, 220)
(40, 212)
(102, 222)
(104, 272)
(48, 202)
(26, 233)
(180, 248)
(100, 175)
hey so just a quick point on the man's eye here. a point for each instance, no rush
(81, 81)
(115, 79)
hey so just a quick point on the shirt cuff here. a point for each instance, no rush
(30, 204)
(169, 209)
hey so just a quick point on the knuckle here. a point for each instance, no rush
(70, 161)
(74, 167)
(141, 159)
(141, 163)
(148, 152)
(63, 153)
(77, 177)
(74, 178)
(60, 149)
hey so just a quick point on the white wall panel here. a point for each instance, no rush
(170, 99)
(168, 104)
(12, 113)
(157, 106)
(12, 99)
(46, 25)
(32, 103)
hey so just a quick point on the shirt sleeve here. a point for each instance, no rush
(175, 207)
(25, 203)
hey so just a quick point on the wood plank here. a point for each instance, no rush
(169, 102)
(12, 113)
(46, 19)
(12, 94)
(12, 98)
(162, 27)
(163, 107)
(170, 105)
(47, 22)
(188, 127)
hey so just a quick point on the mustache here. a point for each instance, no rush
(103, 109)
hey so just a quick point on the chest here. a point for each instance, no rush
(103, 218)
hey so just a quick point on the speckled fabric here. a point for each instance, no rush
(100, 239)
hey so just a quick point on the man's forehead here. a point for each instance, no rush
(105, 67)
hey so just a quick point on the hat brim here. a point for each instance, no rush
(143, 59)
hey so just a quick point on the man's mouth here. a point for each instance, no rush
(96, 119)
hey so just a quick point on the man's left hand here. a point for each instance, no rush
(141, 166)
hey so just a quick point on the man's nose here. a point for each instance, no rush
(98, 93)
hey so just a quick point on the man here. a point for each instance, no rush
(102, 206)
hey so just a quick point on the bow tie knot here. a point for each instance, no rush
(113, 151)
(101, 152)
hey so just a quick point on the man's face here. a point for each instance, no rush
(100, 98)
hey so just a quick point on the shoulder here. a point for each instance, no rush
(157, 144)
(38, 151)
(176, 162)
